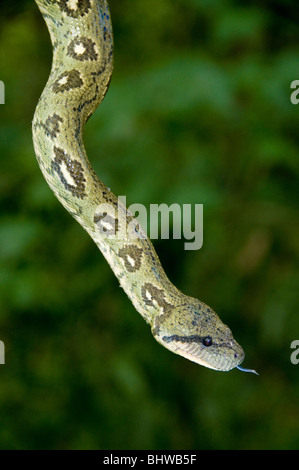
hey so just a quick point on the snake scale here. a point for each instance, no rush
(82, 40)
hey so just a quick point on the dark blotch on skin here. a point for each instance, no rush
(52, 125)
(156, 294)
(89, 49)
(83, 7)
(73, 81)
(75, 170)
(104, 217)
(133, 252)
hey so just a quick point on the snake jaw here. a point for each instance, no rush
(195, 352)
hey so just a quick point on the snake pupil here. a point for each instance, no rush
(207, 341)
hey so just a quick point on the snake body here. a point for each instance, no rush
(81, 35)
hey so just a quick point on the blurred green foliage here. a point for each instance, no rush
(198, 111)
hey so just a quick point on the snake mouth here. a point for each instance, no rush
(221, 362)
(216, 359)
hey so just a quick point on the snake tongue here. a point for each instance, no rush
(247, 370)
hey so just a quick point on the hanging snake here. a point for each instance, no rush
(82, 40)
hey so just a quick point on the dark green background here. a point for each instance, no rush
(198, 111)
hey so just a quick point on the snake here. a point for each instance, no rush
(82, 64)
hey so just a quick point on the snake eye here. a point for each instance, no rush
(207, 341)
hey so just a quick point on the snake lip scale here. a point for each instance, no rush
(82, 40)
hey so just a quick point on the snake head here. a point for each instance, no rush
(194, 331)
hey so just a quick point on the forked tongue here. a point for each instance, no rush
(247, 370)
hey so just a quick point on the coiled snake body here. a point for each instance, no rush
(81, 35)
